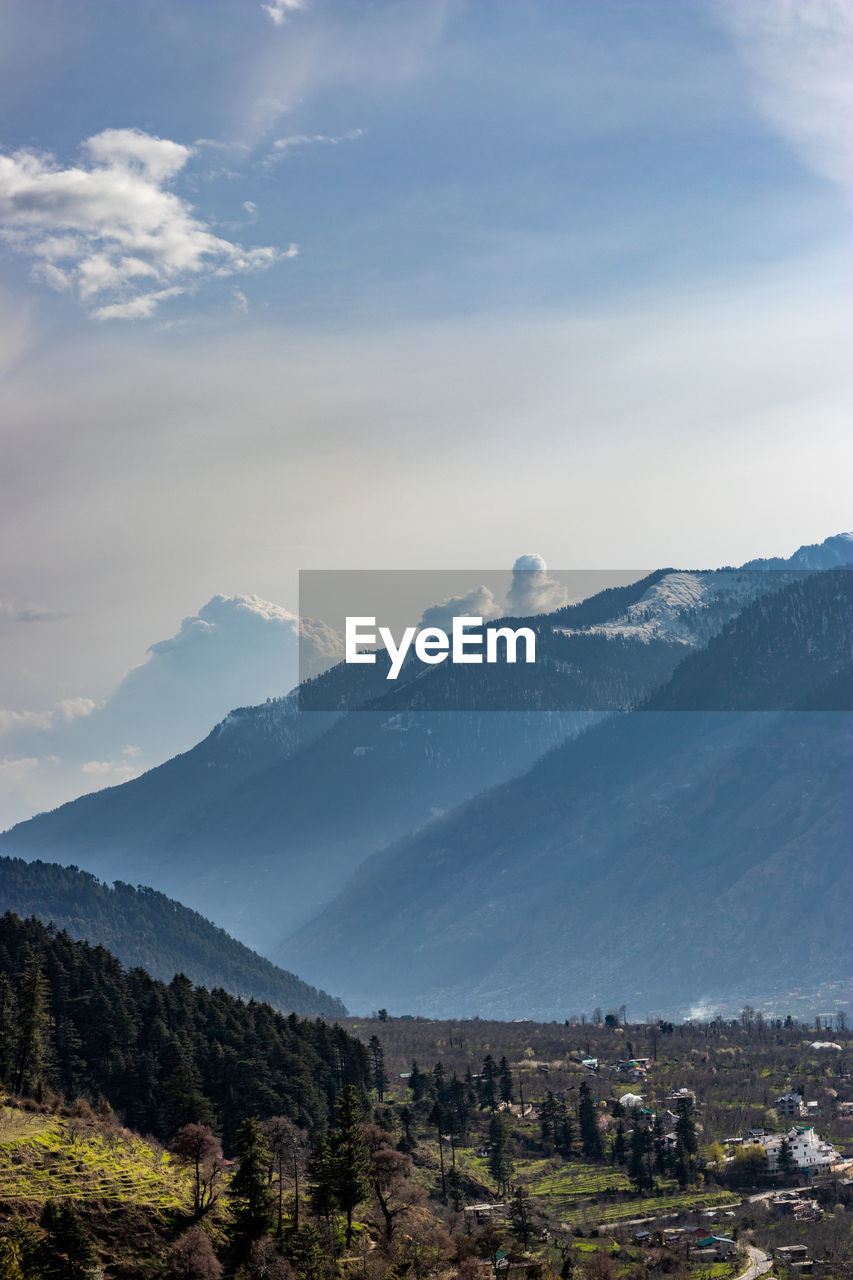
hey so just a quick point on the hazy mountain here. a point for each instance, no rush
(236, 651)
(259, 825)
(145, 929)
(832, 553)
(665, 856)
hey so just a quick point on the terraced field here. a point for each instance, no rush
(48, 1156)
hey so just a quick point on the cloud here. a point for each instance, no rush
(799, 53)
(109, 228)
(280, 10)
(241, 302)
(116, 770)
(63, 712)
(532, 590)
(283, 146)
(26, 612)
(479, 603)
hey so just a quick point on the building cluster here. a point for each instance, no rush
(808, 1151)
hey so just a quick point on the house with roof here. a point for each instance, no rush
(809, 1153)
(791, 1104)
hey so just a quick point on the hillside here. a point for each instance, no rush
(145, 929)
(666, 856)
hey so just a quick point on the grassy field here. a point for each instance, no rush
(43, 1157)
(133, 1197)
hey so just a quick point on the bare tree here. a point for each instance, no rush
(197, 1146)
(287, 1143)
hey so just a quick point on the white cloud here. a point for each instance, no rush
(307, 139)
(532, 590)
(108, 226)
(241, 302)
(283, 146)
(64, 711)
(250, 207)
(117, 770)
(142, 306)
(799, 53)
(280, 10)
(479, 603)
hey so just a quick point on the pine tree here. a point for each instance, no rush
(619, 1144)
(250, 1185)
(500, 1152)
(350, 1158)
(68, 1252)
(588, 1118)
(488, 1077)
(377, 1055)
(8, 1030)
(305, 1251)
(638, 1164)
(31, 1048)
(506, 1082)
(786, 1158)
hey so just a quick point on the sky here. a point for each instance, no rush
(388, 284)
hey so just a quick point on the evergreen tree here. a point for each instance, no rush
(685, 1129)
(787, 1165)
(321, 1182)
(377, 1057)
(661, 1153)
(638, 1161)
(350, 1157)
(506, 1082)
(250, 1185)
(588, 1119)
(564, 1133)
(305, 1251)
(500, 1152)
(619, 1145)
(8, 1030)
(487, 1081)
(31, 1048)
(68, 1252)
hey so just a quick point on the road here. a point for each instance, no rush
(759, 1262)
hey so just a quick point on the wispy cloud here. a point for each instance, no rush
(799, 53)
(63, 712)
(282, 147)
(109, 228)
(281, 10)
(13, 612)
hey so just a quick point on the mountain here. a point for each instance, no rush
(667, 856)
(237, 650)
(259, 825)
(833, 553)
(146, 929)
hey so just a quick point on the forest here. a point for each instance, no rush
(154, 1129)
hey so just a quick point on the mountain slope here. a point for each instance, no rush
(145, 929)
(260, 824)
(664, 856)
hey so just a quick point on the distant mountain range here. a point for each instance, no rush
(666, 856)
(478, 860)
(147, 930)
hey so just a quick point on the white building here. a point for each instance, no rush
(809, 1153)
